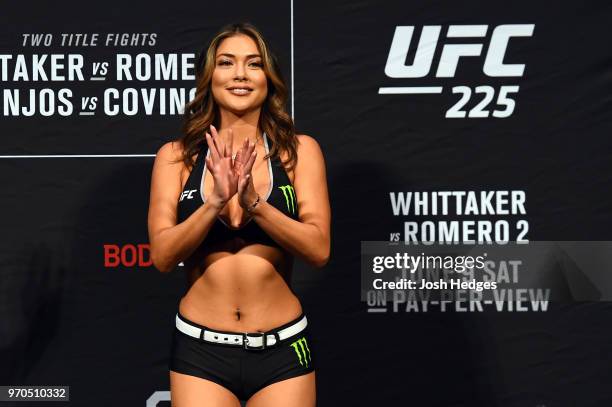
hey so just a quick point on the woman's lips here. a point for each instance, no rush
(240, 91)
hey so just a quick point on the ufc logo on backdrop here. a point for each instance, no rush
(493, 65)
(477, 100)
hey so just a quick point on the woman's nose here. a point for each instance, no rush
(240, 72)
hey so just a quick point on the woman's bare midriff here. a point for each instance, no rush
(250, 278)
(242, 291)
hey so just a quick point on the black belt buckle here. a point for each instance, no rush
(245, 340)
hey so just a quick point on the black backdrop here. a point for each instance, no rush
(72, 196)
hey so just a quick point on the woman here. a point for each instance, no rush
(237, 221)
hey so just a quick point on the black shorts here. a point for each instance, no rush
(242, 371)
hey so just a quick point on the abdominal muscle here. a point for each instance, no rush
(225, 282)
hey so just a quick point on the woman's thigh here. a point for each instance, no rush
(191, 391)
(298, 391)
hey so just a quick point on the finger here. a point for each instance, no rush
(249, 165)
(212, 147)
(209, 164)
(216, 140)
(231, 142)
(222, 145)
(213, 131)
(250, 147)
(246, 152)
(238, 164)
(241, 155)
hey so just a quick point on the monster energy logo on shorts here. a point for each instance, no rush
(303, 353)
(289, 194)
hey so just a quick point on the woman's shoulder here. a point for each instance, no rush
(308, 149)
(306, 139)
(172, 150)
(170, 155)
(309, 157)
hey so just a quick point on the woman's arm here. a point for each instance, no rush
(308, 238)
(172, 243)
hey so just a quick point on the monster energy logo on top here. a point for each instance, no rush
(301, 349)
(289, 194)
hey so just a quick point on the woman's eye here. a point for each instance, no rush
(226, 62)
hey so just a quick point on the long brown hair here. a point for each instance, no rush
(203, 111)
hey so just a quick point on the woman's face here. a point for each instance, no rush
(239, 83)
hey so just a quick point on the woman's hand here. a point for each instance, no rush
(219, 163)
(243, 164)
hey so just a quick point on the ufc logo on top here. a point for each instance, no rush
(494, 65)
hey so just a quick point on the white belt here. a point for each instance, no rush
(257, 340)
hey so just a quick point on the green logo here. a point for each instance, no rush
(289, 194)
(301, 349)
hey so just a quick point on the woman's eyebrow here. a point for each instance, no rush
(233, 56)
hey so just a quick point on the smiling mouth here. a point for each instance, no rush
(240, 91)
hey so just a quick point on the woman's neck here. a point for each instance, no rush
(243, 126)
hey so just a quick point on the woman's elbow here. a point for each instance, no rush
(161, 267)
(320, 258)
(319, 263)
(159, 262)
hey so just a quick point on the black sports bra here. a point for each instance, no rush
(281, 195)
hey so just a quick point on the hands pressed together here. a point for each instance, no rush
(231, 175)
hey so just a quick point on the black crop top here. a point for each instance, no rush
(281, 195)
